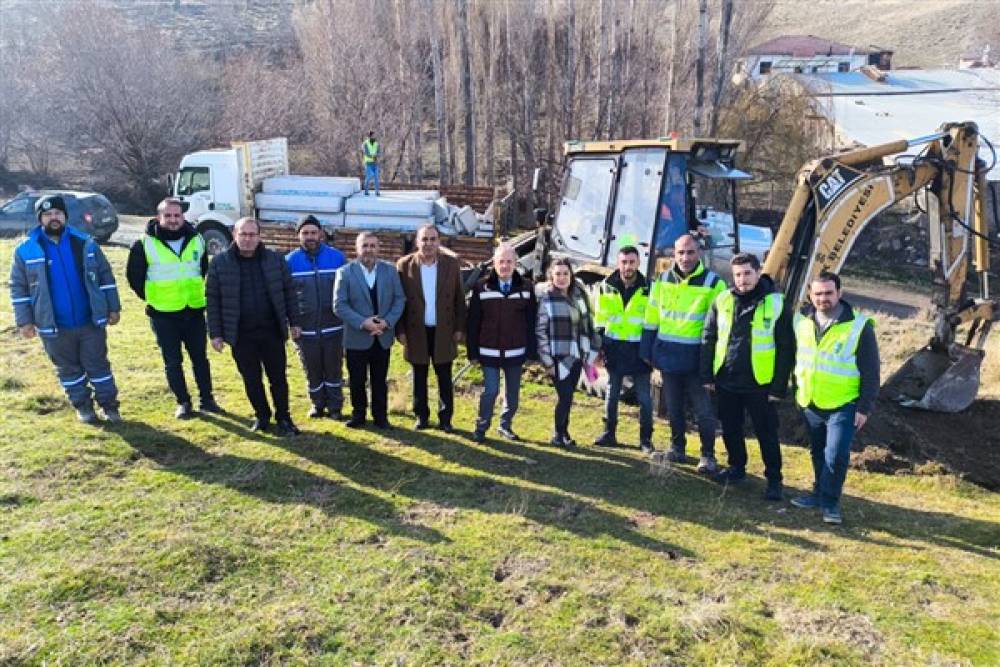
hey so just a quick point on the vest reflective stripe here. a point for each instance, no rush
(826, 372)
(762, 347)
(676, 309)
(174, 283)
(621, 322)
(369, 151)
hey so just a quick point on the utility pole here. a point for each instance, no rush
(725, 21)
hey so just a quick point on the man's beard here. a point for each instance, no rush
(54, 228)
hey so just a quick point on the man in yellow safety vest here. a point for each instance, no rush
(671, 342)
(371, 154)
(747, 354)
(166, 269)
(837, 381)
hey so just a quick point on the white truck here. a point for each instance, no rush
(220, 186)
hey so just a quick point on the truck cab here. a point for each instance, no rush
(217, 186)
(644, 193)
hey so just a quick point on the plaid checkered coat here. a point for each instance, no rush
(565, 329)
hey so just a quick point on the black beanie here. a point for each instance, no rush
(309, 220)
(49, 202)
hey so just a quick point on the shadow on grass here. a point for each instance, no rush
(597, 474)
(390, 473)
(270, 481)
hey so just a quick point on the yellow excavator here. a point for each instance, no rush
(647, 192)
(836, 197)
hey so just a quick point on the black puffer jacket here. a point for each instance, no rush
(222, 291)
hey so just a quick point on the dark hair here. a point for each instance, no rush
(628, 250)
(561, 261)
(828, 277)
(745, 258)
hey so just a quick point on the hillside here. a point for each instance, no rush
(923, 33)
(165, 542)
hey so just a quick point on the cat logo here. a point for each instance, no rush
(835, 182)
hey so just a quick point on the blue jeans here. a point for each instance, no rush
(830, 435)
(641, 384)
(371, 174)
(491, 389)
(680, 388)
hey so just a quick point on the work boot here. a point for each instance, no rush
(336, 415)
(773, 491)
(478, 436)
(112, 415)
(508, 433)
(260, 425)
(285, 427)
(184, 411)
(208, 404)
(731, 476)
(315, 412)
(607, 439)
(86, 414)
(677, 456)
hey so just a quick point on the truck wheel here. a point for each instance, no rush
(217, 238)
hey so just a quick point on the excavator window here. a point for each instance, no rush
(636, 202)
(583, 209)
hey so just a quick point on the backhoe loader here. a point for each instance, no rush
(836, 197)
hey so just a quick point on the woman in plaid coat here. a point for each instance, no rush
(566, 340)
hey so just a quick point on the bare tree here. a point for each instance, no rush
(465, 65)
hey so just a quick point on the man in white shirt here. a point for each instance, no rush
(433, 321)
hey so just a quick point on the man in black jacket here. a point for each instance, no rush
(747, 354)
(166, 269)
(251, 306)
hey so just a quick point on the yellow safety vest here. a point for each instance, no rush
(676, 310)
(619, 321)
(174, 283)
(826, 372)
(762, 348)
(369, 151)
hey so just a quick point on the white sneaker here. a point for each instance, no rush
(707, 466)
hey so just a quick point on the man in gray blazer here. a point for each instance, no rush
(368, 297)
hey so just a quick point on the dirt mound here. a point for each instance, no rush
(897, 439)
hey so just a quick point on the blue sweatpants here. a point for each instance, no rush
(80, 356)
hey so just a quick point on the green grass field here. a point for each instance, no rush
(165, 542)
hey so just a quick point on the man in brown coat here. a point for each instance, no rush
(433, 321)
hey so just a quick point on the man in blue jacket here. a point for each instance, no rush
(62, 288)
(321, 346)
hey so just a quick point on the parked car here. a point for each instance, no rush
(90, 212)
(753, 239)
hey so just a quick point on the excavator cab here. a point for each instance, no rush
(643, 193)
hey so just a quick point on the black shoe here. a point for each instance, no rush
(287, 428)
(607, 439)
(731, 476)
(773, 491)
(421, 425)
(647, 447)
(336, 415)
(260, 425)
(184, 410)
(568, 442)
(209, 405)
(479, 436)
(556, 441)
(508, 434)
(315, 412)
(446, 427)
(355, 422)
(383, 424)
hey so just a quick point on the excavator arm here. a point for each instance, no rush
(835, 199)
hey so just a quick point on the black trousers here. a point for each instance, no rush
(446, 392)
(764, 416)
(564, 392)
(360, 364)
(173, 332)
(257, 350)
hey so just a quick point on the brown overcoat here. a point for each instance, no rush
(450, 308)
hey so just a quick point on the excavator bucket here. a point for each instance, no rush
(937, 380)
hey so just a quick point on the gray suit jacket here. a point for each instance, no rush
(352, 302)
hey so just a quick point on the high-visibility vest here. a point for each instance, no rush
(676, 308)
(621, 321)
(174, 283)
(826, 372)
(762, 348)
(369, 151)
